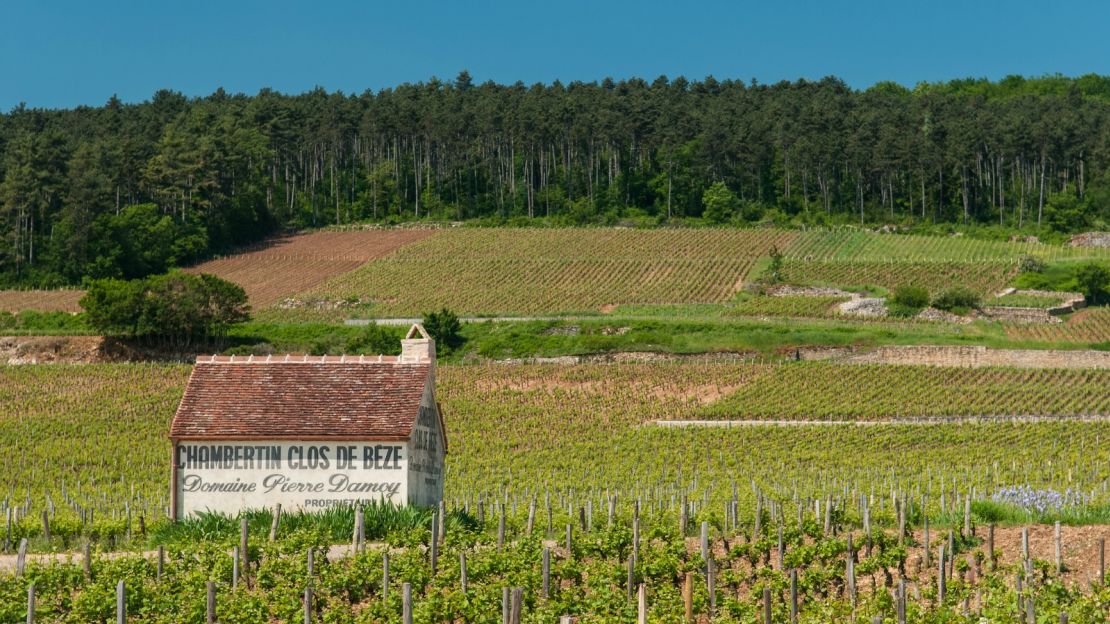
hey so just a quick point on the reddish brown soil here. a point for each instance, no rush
(285, 266)
(271, 271)
(43, 300)
(1079, 547)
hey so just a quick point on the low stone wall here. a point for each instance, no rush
(1090, 239)
(51, 349)
(81, 350)
(1019, 315)
(975, 357)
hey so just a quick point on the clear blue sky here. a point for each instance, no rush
(62, 54)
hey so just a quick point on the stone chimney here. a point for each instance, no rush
(417, 347)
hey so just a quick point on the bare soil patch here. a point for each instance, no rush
(269, 271)
(288, 265)
(1080, 553)
(42, 300)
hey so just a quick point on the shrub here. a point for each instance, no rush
(908, 300)
(1094, 280)
(1033, 264)
(958, 299)
(177, 306)
(444, 327)
(774, 270)
(372, 340)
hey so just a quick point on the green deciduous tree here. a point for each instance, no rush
(1094, 280)
(719, 203)
(176, 308)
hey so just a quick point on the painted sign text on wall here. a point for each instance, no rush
(220, 476)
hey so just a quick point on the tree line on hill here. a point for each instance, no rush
(128, 190)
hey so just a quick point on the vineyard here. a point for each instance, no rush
(531, 271)
(935, 276)
(569, 444)
(598, 557)
(822, 391)
(1025, 301)
(330, 275)
(1091, 325)
(43, 300)
(93, 437)
(788, 306)
(822, 245)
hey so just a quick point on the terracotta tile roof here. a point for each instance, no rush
(300, 397)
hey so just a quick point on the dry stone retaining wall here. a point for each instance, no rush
(1019, 315)
(975, 357)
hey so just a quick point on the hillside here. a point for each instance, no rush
(329, 276)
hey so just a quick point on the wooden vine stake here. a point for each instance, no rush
(501, 529)
(121, 603)
(31, 604)
(244, 561)
(21, 557)
(546, 572)
(1059, 548)
(925, 541)
(275, 521)
(434, 545)
(406, 603)
(767, 605)
(462, 572)
(308, 604)
(941, 584)
(850, 566)
(516, 607)
(210, 603)
(793, 595)
(990, 546)
(641, 605)
(711, 581)
(1102, 561)
(631, 575)
(688, 596)
(385, 576)
(900, 605)
(705, 541)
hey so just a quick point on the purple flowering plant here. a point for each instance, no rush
(1039, 500)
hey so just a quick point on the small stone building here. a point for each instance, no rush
(309, 432)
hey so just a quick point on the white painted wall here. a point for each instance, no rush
(299, 475)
